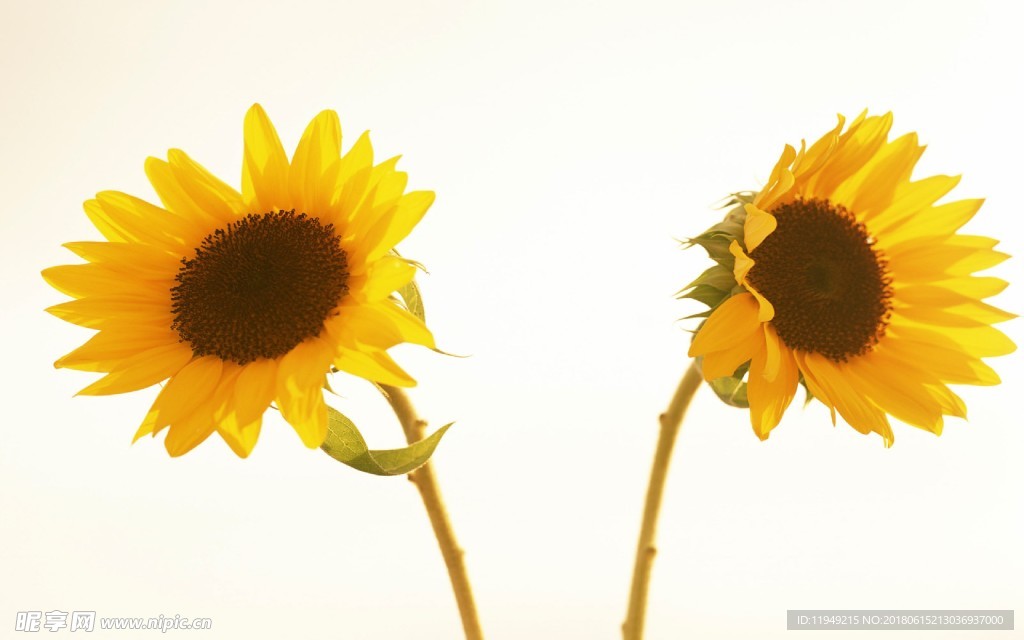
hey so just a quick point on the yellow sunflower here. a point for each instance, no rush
(241, 300)
(844, 275)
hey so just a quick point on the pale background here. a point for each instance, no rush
(569, 143)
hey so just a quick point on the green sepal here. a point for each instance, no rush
(731, 390)
(703, 314)
(716, 276)
(717, 248)
(412, 300)
(707, 294)
(345, 444)
(807, 391)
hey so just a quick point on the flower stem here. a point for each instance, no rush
(671, 420)
(426, 482)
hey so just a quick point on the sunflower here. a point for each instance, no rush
(244, 300)
(845, 276)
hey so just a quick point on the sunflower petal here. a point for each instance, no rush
(375, 366)
(300, 381)
(265, 164)
(204, 189)
(770, 398)
(733, 320)
(719, 364)
(757, 226)
(741, 267)
(142, 370)
(851, 403)
(391, 230)
(318, 149)
(386, 276)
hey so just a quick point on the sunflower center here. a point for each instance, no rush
(259, 286)
(829, 285)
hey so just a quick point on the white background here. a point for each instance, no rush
(569, 144)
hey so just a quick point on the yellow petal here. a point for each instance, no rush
(850, 401)
(780, 181)
(82, 280)
(375, 366)
(718, 364)
(773, 354)
(389, 231)
(141, 370)
(176, 199)
(875, 186)
(240, 437)
(911, 215)
(183, 394)
(979, 342)
(206, 190)
(265, 164)
(770, 398)
(255, 390)
(855, 148)
(808, 164)
(97, 312)
(948, 293)
(816, 388)
(412, 329)
(300, 380)
(949, 365)
(124, 218)
(143, 260)
(970, 313)
(741, 267)
(733, 320)
(927, 261)
(107, 348)
(188, 432)
(386, 276)
(758, 226)
(897, 389)
(318, 149)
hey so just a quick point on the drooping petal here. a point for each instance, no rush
(733, 320)
(849, 401)
(770, 398)
(757, 226)
(300, 381)
(742, 266)
(722, 363)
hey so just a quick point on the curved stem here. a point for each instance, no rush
(426, 482)
(633, 627)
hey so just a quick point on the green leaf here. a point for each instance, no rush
(345, 444)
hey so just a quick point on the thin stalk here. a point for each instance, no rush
(671, 420)
(426, 482)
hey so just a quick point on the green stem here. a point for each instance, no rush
(426, 482)
(671, 420)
